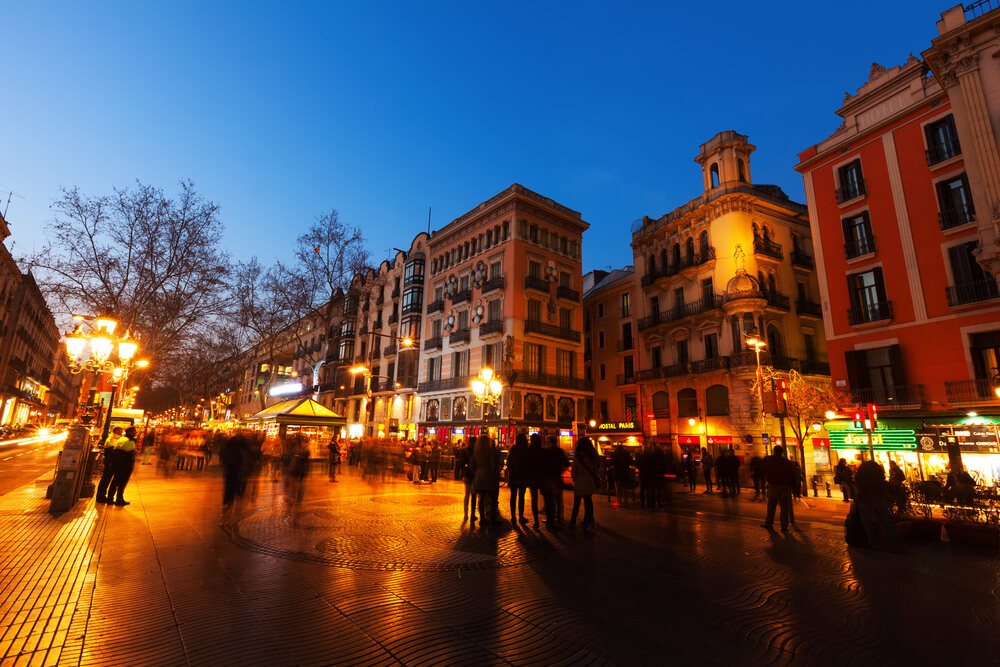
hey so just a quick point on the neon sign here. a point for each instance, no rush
(617, 426)
(895, 439)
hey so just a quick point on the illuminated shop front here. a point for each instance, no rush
(924, 451)
(609, 434)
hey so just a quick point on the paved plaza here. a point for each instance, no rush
(387, 573)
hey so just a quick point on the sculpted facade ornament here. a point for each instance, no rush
(875, 72)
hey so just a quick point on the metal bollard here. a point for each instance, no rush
(815, 486)
(828, 490)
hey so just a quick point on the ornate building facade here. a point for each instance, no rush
(734, 261)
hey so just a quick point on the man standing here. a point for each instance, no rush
(779, 474)
(124, 463)
(110, 458)
(334, 449)
(707, 463)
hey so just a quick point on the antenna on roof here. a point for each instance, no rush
(428, 221)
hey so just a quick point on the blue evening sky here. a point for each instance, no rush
(282, 111)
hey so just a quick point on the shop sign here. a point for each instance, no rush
(458, 431)
(563, 433)
(617, 426)
(975, 439)
(689, 439)
(820, 442)
(431, 431)
(888, 440)
(720, 439)
(778, 440)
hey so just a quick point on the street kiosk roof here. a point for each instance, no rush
(299, 412)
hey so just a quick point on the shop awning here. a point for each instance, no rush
(298, 412)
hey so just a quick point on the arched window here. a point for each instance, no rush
(717, 400)
(761, 283)
(651, 268)
(737, 334)
(664, 261)
(748, 324)
(766, 234)
(661, 405)
(714, 170)
(687, 403)
(741, 170)
(703, 244)
(689, 249)
(676, 259)
(774, 344)
(756, 230)
(772, 283)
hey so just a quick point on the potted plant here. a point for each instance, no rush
(923, 497)
(973, 520)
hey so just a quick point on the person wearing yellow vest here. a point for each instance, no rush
(124, 463)
(110, 454)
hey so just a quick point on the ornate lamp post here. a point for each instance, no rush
(487, 390)
(756, 342)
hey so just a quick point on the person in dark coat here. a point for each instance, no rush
(517, 477)
(467, 473)
(486, 459)
(435, 462)
(334, 449)
(779, 474)
(621, 463)
(647, 475)
(535, 472)
(110, 459)
(692, 472)
(234, 456)
(844, 476)
(758, 478)
(555, 463)
(707, 463)
(124, 463)
(872, 497)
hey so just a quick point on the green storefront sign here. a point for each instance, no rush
(843, 435)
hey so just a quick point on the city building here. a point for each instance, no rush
(27, 355)
(734, 262)
(902, 200)
(10, 279)
(503, 292)
(610, 356)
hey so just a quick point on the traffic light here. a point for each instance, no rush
(782, 395)
(873, 416)
(859, 419)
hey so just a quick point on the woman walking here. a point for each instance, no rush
(585, 480)
(517, 477)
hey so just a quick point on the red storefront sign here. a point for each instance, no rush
(720, 439)
(689, 439)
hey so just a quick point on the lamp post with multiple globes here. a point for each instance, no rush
(487, 390)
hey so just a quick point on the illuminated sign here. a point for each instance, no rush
(285, 389)
(689, 439)
(882, 440)
(720, 439)
(565, 434)
(458, 431)
(431, 431)
(617, 426)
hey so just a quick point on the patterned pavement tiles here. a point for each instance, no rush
(371, 574)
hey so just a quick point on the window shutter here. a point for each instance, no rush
(854, 360)
(852, 291)
(879, 284)
(896, 360)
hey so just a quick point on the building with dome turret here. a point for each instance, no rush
(734, 261)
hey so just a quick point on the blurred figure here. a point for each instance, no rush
(691, 471)
(467, 473)
(779, 473)
(621, 462)
(435, 462)
(556, 462)
(148, 444)
(234, 455)
(758, 478)
(517, 477)
(110, 459)
(585, 481)
(296, 468)
(486, 459)
(124, 464)
(647, 477)
(872, 497)
(844, 476)
(535, 472)
(334, 449)
(707, 464)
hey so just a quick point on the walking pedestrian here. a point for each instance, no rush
(692, 472)
(621, 462)
(758, 478)
(779, 474)
(517, 477)
(234, 456)
(148, 444)
(707, 463)
(535, 472)
(646, 465)
(487, 478)
(872, 497)
(556, 462)
(334, 449)
(124, 463)
(435, 461)
(110, 461)
(844, 476)
(585, 482)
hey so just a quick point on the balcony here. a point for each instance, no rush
(807, 308)
(866, 313)
(395, 293)
(377, 325)
(462, 296)
(970, 391)
(765, 246)
(956, 217)
(412, 308)
(363, 331)
(705, 304)
(492, 284)
(433, 343)
(626, 345)
(537, 284)
(462, 382)
(673, 370)
(435, 306)
(777, 300)
(555, 381)
(567, 293)
(859, 247)
(711, 364)
(360, 359)
(851, 191)
(887, 399)
(810, 367)
(491, 327)
(945, 150)
(705, 256)
(623, 379)
(972, 292)
(350, 308)
(459, 337)
(749, 358)
(801, 259)
(380, 300)
(389, 351)
(392, 319)
(530, 326)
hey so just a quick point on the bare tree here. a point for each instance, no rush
(327, 257)
(260, 317)
(150, 261)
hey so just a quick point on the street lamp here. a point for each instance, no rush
(487, 390)
(756, 342)
(361, 368)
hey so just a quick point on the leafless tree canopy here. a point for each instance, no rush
(150, 261)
